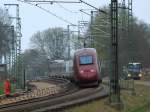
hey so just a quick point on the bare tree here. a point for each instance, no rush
(50, 42)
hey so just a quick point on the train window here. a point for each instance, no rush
(86, 60)
(134, 67)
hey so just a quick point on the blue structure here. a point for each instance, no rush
(134, 70)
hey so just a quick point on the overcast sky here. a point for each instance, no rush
(35, 19)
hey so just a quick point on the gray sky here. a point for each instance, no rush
(35, 19)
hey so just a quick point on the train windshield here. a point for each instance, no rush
(137, 66)
(134, 67)
(84, 60)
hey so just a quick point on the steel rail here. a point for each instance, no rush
(72, 94)
(49, 104)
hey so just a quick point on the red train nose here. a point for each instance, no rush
(87, 71)
(89, 74)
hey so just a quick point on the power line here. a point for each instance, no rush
(51, 1)
(85, 12)
(93, 7)
(47, 11)
(65, 8)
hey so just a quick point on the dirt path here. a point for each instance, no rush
(42, 85)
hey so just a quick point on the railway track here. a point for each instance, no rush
(71, 95)
(51, 87)
(82, 96)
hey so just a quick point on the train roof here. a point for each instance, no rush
(134, 63)
(79, 51)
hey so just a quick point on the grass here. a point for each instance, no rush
(95, 106)
(140, 100)
(132, 103)
(144, 108)
(1, 88)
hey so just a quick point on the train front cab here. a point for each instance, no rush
(134, 71)
(86, 68)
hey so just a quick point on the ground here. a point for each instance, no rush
(140, 102)
(42, 85)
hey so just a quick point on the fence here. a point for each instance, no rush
(124, 84)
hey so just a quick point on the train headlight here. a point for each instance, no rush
(81, 71)
(92, 70)
(140, 75)
(129, 75)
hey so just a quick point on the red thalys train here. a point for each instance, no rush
(86, 67)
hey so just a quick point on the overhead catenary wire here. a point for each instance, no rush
(81, 16)
(52, 1)
(65, 8)
(102, 31)
(60, 18)
(93, 7)
(85, 12)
